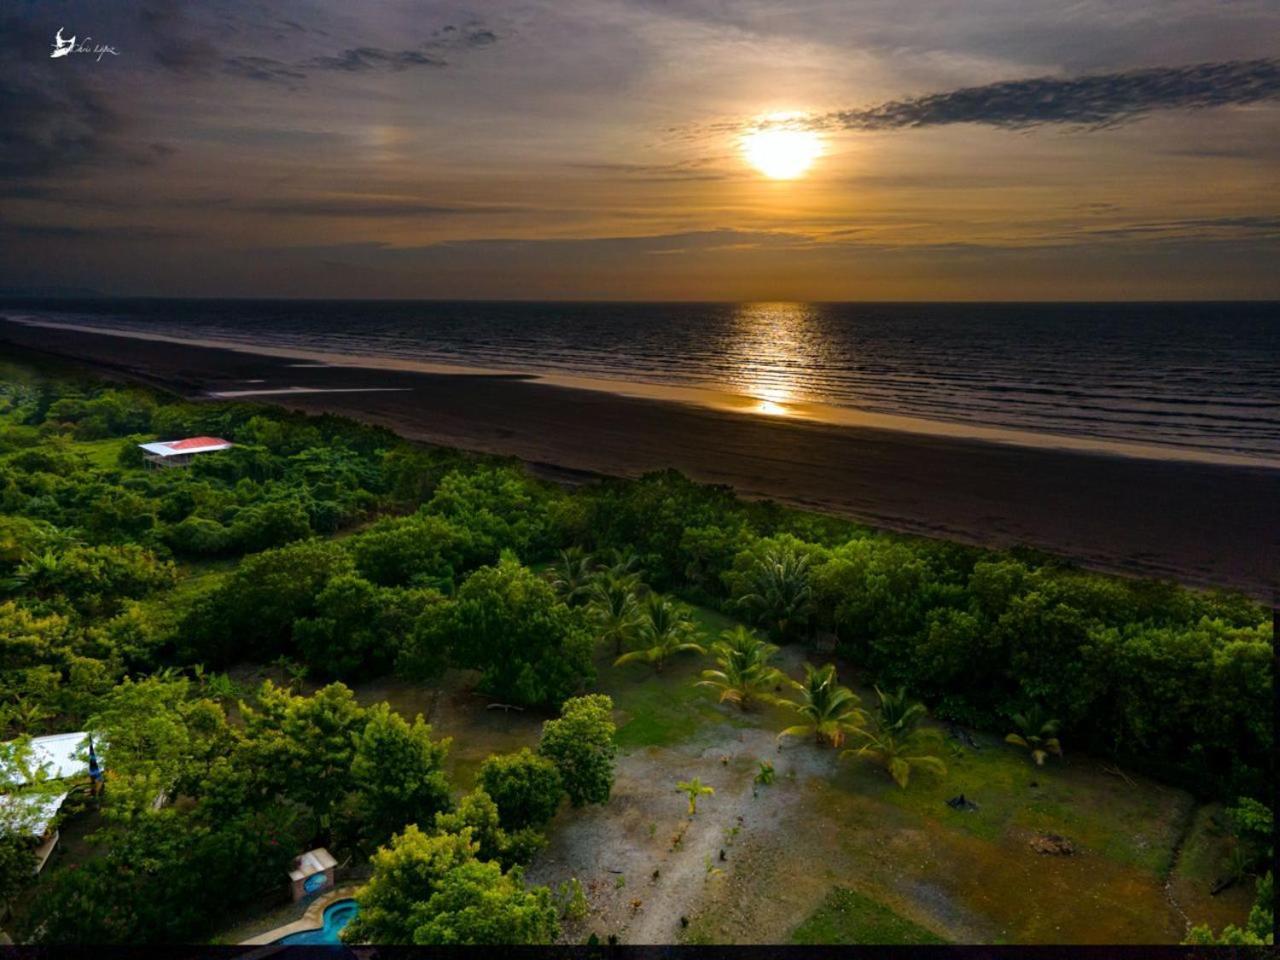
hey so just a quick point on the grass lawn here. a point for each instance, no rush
(847, 917)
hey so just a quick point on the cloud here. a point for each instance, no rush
(50, 118)
(359, 59)
(1094, 100)
(264, 69)
(365, 58)
(369, 207)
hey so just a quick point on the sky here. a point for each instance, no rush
(594, 149)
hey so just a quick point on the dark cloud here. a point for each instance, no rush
(364, 59)
(369, 207)
(359, 59)
(51, 118)
(64, 231)
(468, 36)
(1096, 100)
(264, 69)
(172, 44)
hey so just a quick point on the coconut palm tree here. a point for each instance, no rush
(693, 789)
(664, 631)
(621, 562)
(571, 575)
(896, 741)
(37, 572)
(745, 675)
(1036, 733)
(899, 714)
(778, 591)
(614, 610)
(901, 753)
(829, 710)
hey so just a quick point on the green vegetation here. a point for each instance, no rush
(341, 554)
(581, 743)
(847, 917)
(829, 710)
(897, 742)
(693, 789)
(745, 676)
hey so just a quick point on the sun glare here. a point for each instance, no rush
(782, 153)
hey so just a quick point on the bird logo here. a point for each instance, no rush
(62, 47)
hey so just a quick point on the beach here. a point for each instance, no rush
(1202, 524)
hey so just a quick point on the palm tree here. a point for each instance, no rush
(571, 575)
(1036, 733)
(693, 789)
(896, 742)
(745, 674)
(778, 591)
(898, 714)
(621, 562)
(664, 631)
(39, 571)
(28, 715)
(614, 610)
(830, 710)
(899, 754)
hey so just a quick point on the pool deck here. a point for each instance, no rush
(313, 919)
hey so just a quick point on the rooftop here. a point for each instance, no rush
(171, 448)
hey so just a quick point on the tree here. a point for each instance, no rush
(614, 610)
(778, 593)
(665, 631)
(571, 576)
(525, 786)
(745, 676)
(693, 789)
(581, 744)
(829, 710)
(896, 742)
(1036, 733)
(302, 747)
(898, 714)
(415, 550)
(506, 623)
(17, 866)
(398, 773)
(253, 610)
(477, 812)
(428, 890)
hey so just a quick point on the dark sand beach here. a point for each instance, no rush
(1203, 524)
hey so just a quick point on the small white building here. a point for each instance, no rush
(180, 453)
(55, 760)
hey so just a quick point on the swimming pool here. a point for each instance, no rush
(336, 916)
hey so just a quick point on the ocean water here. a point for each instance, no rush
(1201, 377)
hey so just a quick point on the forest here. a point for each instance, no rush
(336, 554)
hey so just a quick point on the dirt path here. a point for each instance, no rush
(670, 862)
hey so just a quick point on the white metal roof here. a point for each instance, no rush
(313, 861)
(29, 814)
(165, 448)
(58, 756)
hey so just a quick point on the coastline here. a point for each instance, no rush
(1202, 524)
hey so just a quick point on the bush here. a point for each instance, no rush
(581, 744)
(507, 623)
(525, 786)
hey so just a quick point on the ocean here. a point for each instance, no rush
(1198, 377)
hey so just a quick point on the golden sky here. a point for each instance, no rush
(1003, 149)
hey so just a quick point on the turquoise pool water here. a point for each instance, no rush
(336, 916)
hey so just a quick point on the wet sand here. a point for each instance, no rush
(1203, 524)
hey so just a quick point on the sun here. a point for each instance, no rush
(782, 153)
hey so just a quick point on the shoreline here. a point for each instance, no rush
(829, 414)
(1202, 524)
